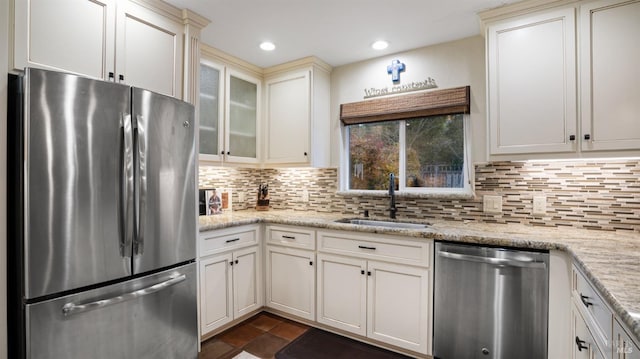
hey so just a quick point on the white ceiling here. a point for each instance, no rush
(337, 31)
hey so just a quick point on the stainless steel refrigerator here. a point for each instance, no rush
(101, 220)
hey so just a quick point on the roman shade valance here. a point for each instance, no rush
(431, 103)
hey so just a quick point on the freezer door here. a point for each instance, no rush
(165, 181)
(75, 192)
(151, 317)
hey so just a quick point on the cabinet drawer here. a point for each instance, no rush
(376, 247)
(291, 237)
(217, 241)
(594, 308)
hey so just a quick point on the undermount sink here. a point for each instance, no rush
(380, 223)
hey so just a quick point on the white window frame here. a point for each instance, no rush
(437, 192)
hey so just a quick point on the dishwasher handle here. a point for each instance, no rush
(507, 262)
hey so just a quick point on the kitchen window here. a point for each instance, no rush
(425, 149)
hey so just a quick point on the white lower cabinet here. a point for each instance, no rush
(291, 281)
(585, 346)
(623, 346)
(230, 282)
(383, 301)
(372, 292)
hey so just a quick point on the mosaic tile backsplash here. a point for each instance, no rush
(594, 195)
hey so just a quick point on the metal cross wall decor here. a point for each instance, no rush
(394, 70)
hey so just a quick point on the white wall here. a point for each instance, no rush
(4, 66)
(452, 64)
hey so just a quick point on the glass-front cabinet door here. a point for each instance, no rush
(211, 111)
(242, 113)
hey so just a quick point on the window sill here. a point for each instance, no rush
(409, 194)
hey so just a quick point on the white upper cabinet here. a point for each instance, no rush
(288, 112)
(211, 111)
(149, 49)
(229, 109)
(532, 100)
(297, 114)
(242, 114)
(550, 96)
(73, 36)
(102, 39)
(610, 54)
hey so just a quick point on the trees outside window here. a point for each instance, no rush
(430, 150)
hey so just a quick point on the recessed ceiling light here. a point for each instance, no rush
(379, 45)
(267, 46)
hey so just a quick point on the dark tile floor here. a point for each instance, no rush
(262, 335)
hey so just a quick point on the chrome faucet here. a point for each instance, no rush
(392, 194)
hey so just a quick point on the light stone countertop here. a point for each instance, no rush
(611, 260)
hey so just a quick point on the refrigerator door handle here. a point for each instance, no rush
(73, 308)
(126, 187)
(141, 142)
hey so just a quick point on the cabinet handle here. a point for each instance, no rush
(121, 78)
(111, 76)
(236, 261)
(232, 240)
(362, 271)
(587, 137)
(580, 343)
(365, 247)
(288, 237)
(231, 263)
(310, 263)
(369, 273)
(584, 300)
(572, 138)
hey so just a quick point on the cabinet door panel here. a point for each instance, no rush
(242, 114)
(342, 293)
(246, 281)
(291, 281)
(216, 302)
(211, 111)
(532, 84)
(584, 346)
(610, 57)
(288, 112)
(149, 50)
(72, 36)
(623, 346)
(399, 303)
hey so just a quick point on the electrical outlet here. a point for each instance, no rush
(305, 195)
(492, 204)
(241, 197)
(539, 205)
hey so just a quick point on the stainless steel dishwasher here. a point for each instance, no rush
(490, 302)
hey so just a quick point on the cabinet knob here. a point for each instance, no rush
(580, 344)
(362, 271)
(587, 137)
(305, 154)
(310, 263)
(572, 138)
(222, 153)
(111, 76)
(236, 261)
(369, 273)
(121, 78)
(228, 153)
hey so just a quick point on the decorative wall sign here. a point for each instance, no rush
(395, 69)
(429, 83)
